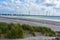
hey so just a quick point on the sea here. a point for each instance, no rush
(53, 18)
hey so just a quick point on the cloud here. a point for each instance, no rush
(37, 7)
(14, 5)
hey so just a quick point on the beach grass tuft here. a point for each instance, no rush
(16, 30)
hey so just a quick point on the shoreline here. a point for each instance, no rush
(39, 20)
(32, 18)
(51, 24)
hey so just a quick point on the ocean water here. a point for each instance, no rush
(57, 18)
(54, 18)
(47, 17)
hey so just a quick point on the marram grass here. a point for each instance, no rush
(16, 30)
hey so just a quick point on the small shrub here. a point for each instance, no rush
(4, 27)
(15, 32)
(29, 28)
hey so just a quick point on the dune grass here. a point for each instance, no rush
(16, 30)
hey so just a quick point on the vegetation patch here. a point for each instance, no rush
(16, 30)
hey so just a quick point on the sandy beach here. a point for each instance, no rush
(54, 25)
(34, 38)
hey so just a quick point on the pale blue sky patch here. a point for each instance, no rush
(49, 4)
(2, 0)
(22, 0)
(39, 1)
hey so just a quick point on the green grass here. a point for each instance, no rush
(16, 30)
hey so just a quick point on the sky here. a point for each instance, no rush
(30, 7)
